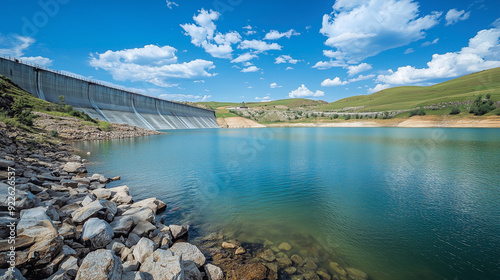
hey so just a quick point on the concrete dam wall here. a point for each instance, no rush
(105, 102)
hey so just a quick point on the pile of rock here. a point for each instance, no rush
(70, 226)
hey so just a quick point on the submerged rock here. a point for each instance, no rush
(356, 274)
(284, 246)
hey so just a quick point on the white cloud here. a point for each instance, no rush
(409, 50)
(428, 43)
(185, 97)
(363, 28)
(249, 27)
(274, 85)
(289, 68)
(303, 91)
(322, 65)
(199, 81)
(275, 35)
(482, 53)
(266, 98)
(244, 57)
(250, 32)
(453, 16)
(355, 69)
(378, 87)
(258, 46)
(171, 4)
(16, 46)
(335, 82)
(203, 34)
(361, 78)
(151, 64)
(285, 59)
(248, 63)
(250, 69)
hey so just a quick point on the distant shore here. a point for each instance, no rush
(416, 121)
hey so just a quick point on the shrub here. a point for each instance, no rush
(54, 133)
(336, 116)
(417, 112)
(488, 96)
(105, 126)
(455, 111)
(385, 115)
(22, 111)
(480, 108)
(347, 117)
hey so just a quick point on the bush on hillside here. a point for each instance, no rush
(455, 111)
(480, 107)
(417, 112)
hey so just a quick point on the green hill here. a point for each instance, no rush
(291, 103)
(407, 97)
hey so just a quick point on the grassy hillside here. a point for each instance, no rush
(292, 103)
(399, 98)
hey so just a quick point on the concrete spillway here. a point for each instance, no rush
(105, 102)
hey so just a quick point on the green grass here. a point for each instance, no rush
(400, 98)
(224, 113)
(290, 103)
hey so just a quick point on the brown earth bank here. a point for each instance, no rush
(238, 122)
(416, 121)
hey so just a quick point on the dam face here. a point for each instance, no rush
(104, 102)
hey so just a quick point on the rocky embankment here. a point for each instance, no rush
(74, 129)
(65, 223)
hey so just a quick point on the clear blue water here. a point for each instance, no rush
(397, 203)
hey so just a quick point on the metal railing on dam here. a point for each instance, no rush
(105, 102)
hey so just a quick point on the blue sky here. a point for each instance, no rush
(241, 50)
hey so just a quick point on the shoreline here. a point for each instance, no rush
(413, 122)
(71, 226)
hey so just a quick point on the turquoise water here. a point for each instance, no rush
(396, 203)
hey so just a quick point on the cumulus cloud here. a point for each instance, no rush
(335, 82)
(322, 65)
(483, 52)
(363, 28)
(243, 58)
(266, 98)
(274, 85)
(338, 82)
(258, 46)
(151, 64)
(185, 97)
(16, 46)
(378, 88)
(285, 59)
(171, 4)
(203, 34)
(249, 30)
(250, 69)
(303, 91)
(275, 35)
(453, 16)
(355, 69)
(289, 68)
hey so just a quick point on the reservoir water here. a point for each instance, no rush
(397, 203)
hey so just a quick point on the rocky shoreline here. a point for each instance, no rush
(66, 224)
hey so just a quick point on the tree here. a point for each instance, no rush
(488, 96)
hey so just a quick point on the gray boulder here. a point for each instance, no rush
(96, 232)
(75, 167)
(188, 252)
(163, 265)
(213, 272)
(122, 225)
(143, 248)
(100, 264)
